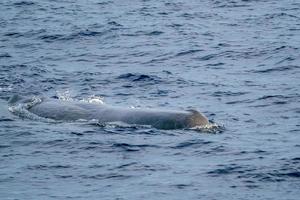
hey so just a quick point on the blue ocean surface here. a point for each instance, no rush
(237, 61)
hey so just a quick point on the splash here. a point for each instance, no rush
(212, 128)
(94, 99)
(67, 96)
(64, 95)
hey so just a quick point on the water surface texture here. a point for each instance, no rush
(237, 61)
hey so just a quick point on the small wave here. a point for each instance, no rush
(296, 159)
(191, 143)
(114, 23)
(139, 77)
(132, 147)
(3, 146)
(25, 34)
(75, 35)
(183, 53)
(24, 3)
(141, 33)
(208, 57)
(250, 174)
(53, 37)
(294, 174)
(106, 176)
(287, 59)
(277, 69)
(13, 34)
(6, 120)
(104, 3)
(153, 33)
(230, 169)
(86, 33)
(272, 97)
(230, 4)
(240, 101)
(279, 99)
(143, 78)
(218, 64)
(280, 15)
(228, 93)
(47, 167)
(5, 55)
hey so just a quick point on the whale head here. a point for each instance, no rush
(27, 102)
(197, 119)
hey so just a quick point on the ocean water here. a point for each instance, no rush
(237, 61)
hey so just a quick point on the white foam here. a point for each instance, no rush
(6, 89)
(94, 99)
(209, 128)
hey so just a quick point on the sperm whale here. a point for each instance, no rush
(76, 110)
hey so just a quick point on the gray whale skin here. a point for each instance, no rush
(74, 110)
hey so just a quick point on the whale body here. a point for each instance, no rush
(76, 110)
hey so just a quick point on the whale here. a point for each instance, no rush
(62, 110)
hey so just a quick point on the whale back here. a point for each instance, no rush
(60, 110)
(73, 110)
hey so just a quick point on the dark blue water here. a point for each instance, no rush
(236, 61)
